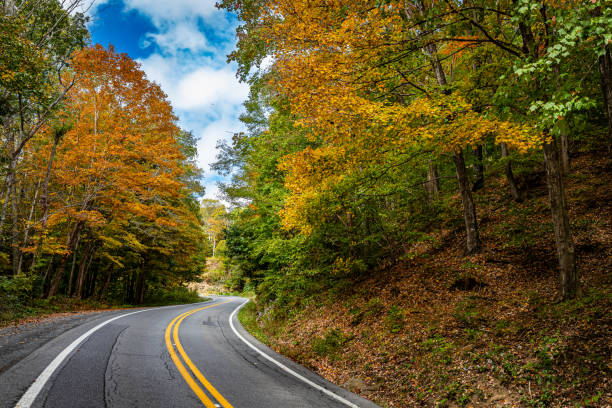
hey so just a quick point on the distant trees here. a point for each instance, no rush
(215, 220)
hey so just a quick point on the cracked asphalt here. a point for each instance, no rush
(127, 363)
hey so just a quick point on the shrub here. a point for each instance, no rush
(330, 344)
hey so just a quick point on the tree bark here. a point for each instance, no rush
(13, 193)
(14, 223)
(106, 284)
(568, 275)
(436, 66)
(565, 161)
(26, 233)
(59, 273)
(74, 259)
(83, 267)
(433, 182)
(516, 194)
(45, 202)
(478, 168)
(140, 285)
(9, 180)
(43, 279)
(605, 70)
(57, 276)
(93, 278)
(469, 210)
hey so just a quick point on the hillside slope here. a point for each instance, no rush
(444, 329)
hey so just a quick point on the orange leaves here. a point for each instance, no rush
(120, 160)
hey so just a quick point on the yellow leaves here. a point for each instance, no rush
(131, 241)
(344, 67)
(7, 76)
(114, 259)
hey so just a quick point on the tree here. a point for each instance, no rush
(37, 39)
(376, 85)
(118, 189)
(214, 216)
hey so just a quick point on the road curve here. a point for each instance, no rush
(178, 356)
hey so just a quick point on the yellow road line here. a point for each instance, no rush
(179, 365)
(192, 366)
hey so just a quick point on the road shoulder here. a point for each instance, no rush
(299, 369)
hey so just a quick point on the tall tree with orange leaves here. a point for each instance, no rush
(115, 180)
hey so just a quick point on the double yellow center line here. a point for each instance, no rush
(173, 329)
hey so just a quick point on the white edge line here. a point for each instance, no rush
(284, 367)
(31, 394)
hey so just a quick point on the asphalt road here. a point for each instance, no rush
(178, 356)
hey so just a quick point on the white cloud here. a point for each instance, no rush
(191, 68)
(222, 129)
(178, 37)
(194, 89)
(175, 9)
(159, 10)
(197, 89)
(266, 63)
(205, 87)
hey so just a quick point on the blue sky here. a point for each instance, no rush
(182, 45)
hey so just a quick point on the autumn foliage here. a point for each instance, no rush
(380, 96)
(100, 190)
(422, 152)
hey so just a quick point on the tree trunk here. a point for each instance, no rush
(436, 66)
(5, 194)
(83, 267)
(140, 285)
(59, 273)
(14, 223)
(43, 280)
(78, 289)
(26, 233)
(469, 210)
(9, 180)
(74, 259)
(106, 284)
(478, 168)
(92, 280)
(516, 194)
(433, 183)
(568, 275)
(57, 277)
(13, 194)
(565, 161)
(45, 202)
(605, 70)
(129, 289)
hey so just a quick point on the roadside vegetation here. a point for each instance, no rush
(98, 190)
(421, 200)
(17, 310)
(442, 329)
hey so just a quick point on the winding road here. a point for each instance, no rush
(176, 356)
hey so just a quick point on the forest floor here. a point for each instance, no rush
(447, 330)
(15, 311)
